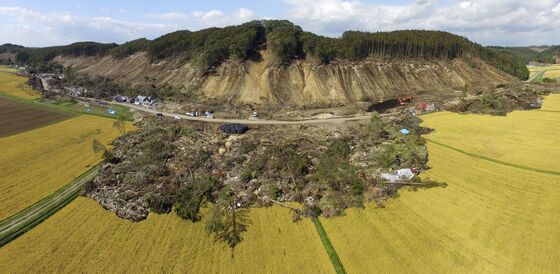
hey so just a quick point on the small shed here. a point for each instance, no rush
(234, 128)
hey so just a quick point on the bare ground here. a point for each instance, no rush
(15, 117)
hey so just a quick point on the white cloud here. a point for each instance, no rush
(503, 22)
(169, 16)
(204, 19)
(486, 21)
(32, 28)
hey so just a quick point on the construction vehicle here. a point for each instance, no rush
(404, 100)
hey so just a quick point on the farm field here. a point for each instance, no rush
(37, 162)
(16, 117)
(524, 138)
(552, 74)
(15, 85)
(7, 69)
(492, 217)
(533, 69)
(552, 103)
(552, 71)
(83, 238)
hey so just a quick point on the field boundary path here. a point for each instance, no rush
(337, 263)
(23, 221)
(536, 77)
(544, 171)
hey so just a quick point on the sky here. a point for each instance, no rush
(40, 23)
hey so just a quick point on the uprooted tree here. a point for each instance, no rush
(120, 125)
(228, 220)
(99, 147)
(169, 167)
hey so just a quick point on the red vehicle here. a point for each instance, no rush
(403, 101)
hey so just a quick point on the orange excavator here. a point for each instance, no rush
(404, 100)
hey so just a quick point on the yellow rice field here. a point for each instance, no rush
(83, 238)
(550, 71)
(490, 218)
(527, 138)
(38, 162)
(552, 103)
(15, 85)
(552, 74)
(7, 69)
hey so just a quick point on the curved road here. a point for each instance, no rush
(250, 121)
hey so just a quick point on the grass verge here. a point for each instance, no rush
(58, 200)
(337, 264)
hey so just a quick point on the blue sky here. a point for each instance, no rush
(490, 22)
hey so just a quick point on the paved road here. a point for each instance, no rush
(14, 225)
(251, 121)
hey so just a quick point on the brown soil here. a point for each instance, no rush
(15, 117)
(302, 83)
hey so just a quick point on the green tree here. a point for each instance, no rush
(227, 221)
(190, 198)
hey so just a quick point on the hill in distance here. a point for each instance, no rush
(276, 62)
(534, 54)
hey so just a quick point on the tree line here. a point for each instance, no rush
(47, 54)
(528, 54)
(207, 48)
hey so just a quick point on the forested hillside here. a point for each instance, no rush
(528, 54)
(42, 55)
(208, 48)
(554, 52)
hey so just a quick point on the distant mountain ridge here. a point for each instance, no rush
(536, 54)
(208, 48)
(274, 62)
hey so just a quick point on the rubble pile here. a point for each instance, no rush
(326, 168)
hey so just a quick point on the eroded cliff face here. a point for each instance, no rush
(301, 83)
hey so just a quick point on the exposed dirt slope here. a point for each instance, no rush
(302, 82)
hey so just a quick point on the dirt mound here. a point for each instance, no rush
(300, 83)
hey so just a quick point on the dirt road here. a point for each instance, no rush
(250, 121)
